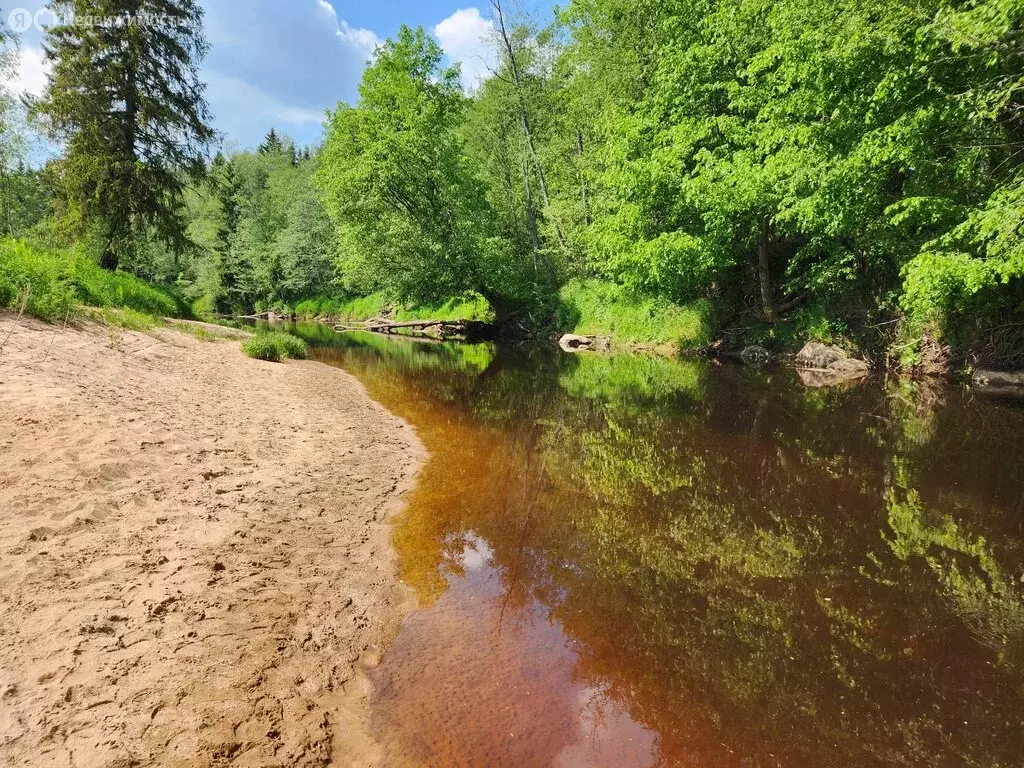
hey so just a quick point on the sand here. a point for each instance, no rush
(195, 565)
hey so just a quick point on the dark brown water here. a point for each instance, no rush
(627, 561)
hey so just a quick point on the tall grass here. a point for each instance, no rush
(275, 346)
(360, 308)
(56, 282)
(471, 307)
(598, 308)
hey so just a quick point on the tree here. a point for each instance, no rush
(409, 213)
(126, 100)
(11, 142)
(773, 153)
(306, 247)
(271, 143)
(516, 54)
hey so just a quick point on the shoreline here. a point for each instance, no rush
(171, 589)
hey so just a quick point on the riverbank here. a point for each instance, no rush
(194, 560)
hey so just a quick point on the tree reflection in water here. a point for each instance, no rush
(636, 561)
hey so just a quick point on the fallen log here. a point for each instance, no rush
(999, 383)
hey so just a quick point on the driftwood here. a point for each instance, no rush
(469, 329)
(999, 383)
(267, 314)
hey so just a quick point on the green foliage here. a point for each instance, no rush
(394, 178)
(39, 282)
(806, 168)
(949, 286)
(262, 236)
(56, 282)
(412, 218)
(359, 308)
(598, 308)
(291, 346)
(263, 346)
(839, 153)
(24, 196)
(126, 101)
(101, 289)
(128, 319)
(469, 307)
(275, 346)
(821, 167)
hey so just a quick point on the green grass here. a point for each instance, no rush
(127, 319)
(52, 284)
(262, 347)
(292, 346)
(598, 308)
(470, 307)
(360, 308)
(275, 346)
(202, 334)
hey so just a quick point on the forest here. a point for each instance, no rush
(746, 171)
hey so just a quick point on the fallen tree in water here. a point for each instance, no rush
(473, 330)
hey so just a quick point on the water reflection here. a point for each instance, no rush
(634, 561)
(472, 681)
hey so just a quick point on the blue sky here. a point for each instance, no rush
(281, 63)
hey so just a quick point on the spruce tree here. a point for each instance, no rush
(126, 100)
(271, 143)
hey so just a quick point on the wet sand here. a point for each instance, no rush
(195, 565)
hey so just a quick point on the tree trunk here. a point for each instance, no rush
(531, 216)
(764, 273)
(120, 241)
(584, 192)
(509, 190)
(524, 120)
(109, 259)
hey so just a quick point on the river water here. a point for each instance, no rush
(630, 561)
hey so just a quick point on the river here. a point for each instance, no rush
(633, 561)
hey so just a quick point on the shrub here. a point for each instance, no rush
(291, 346)
(56, 282)
(262, 346)
(39, 281)
(308, 307)
(275, 346)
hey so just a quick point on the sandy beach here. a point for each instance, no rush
(194, 554)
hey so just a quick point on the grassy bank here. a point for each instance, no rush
(365, 307)
(359, 308)
(51, 285)
(597, 308)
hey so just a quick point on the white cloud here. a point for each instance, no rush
(244, 112)
(467, 37)
(30, 73)
(363, 40)
(297, 116)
